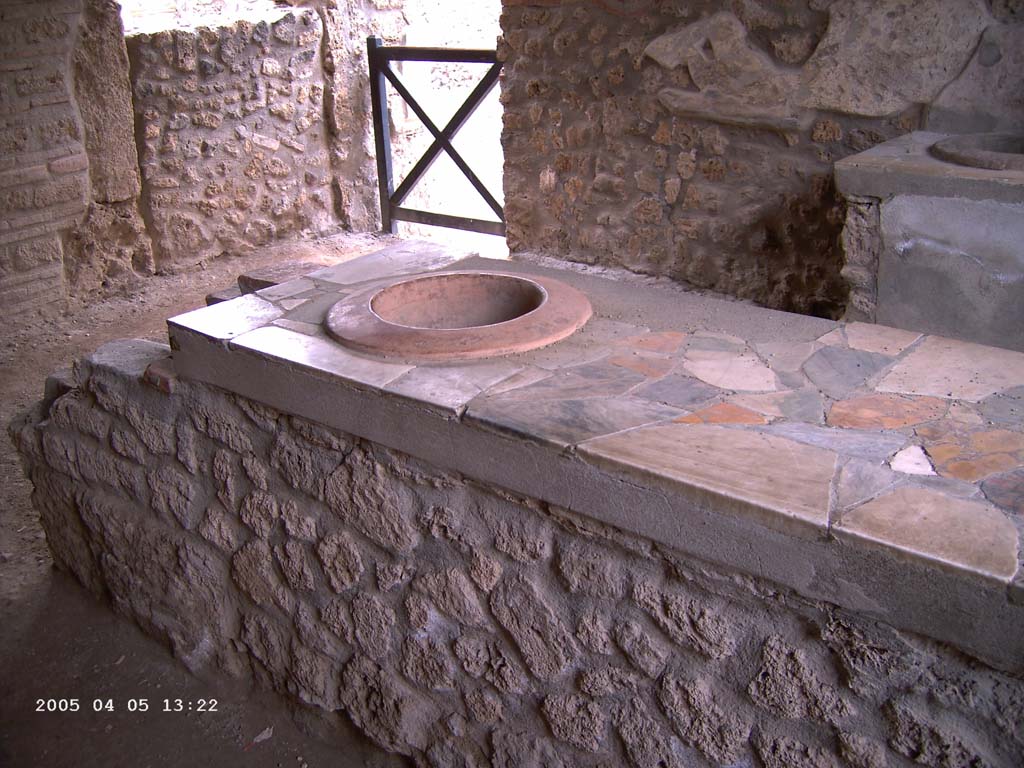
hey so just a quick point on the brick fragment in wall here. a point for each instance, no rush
(315, 677)
(686, 620)
(453, 594)
(691, 708)
(782, 752)
(643, 649)
(576, 720)
(256, 575)
(547, 646)
(787, 685)
(341, 560)
(260, 512)
(647, 744)
(484, 706)
(425, 661)
(388, 711)
(296, 564)
(359, 494)
(487, 658)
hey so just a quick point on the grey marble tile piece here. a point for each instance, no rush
(315, 308)
(295, 325)
(1004, 408)
(598, 379)
(837, 372)
(228, 319)
(566, 422)
(678, 390)
(861, 481)
(592, 342)
(405, 258)
(288, 290)
(799, 405)
(318, 353)
(451, 386)
(870, 445)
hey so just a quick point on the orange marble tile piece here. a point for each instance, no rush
(646, 366)
(997, 441)
(723, 413)
(943, 452)
(885, 412)
(972, 470)
(965, 535)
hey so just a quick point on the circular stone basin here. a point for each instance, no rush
(994, 151)
(458, 316)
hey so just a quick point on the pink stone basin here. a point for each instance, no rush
(458, 316)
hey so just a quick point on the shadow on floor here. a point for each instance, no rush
(63, 644)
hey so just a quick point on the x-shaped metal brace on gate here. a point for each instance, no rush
(390, 198)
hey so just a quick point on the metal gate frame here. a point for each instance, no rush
(391, 209)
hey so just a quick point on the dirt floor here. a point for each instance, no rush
(57, 642)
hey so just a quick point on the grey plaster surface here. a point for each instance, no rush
(903, 166)
(953, 267)
(669, 309)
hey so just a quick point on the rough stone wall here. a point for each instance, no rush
(458, 624)
(231, 137)
(347, 24)
(696, 139)
(44, 183)
(105, 251)
(861, 245)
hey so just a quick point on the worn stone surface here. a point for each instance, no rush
(721, 460)
(879, 58)
(939, 367)
(985, 96)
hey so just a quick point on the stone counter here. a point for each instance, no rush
(694, 532)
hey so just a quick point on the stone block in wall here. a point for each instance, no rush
(861, 245)
(987, 95)
(879, 58)
(104, 98)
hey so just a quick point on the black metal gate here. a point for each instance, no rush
(391, 209)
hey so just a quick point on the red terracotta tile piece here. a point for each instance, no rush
(885, 412)
(724, 413)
